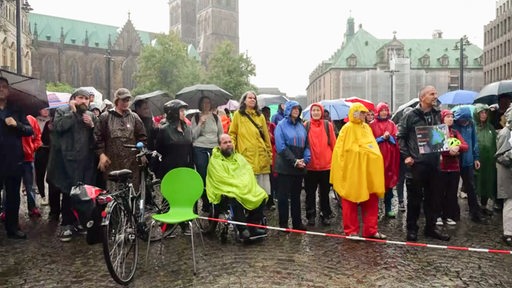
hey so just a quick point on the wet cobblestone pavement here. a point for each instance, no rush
(282, 260)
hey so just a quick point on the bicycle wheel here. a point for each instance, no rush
(157, 205)
(120, 247)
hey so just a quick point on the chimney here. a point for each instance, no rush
(437, 34)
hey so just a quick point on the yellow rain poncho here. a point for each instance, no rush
(357, 167)
(233, 177)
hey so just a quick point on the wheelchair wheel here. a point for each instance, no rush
(120, 247)
(208, 227)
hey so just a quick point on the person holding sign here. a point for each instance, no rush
(423, 168)
(450, 173)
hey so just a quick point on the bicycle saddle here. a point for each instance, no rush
(120, 175)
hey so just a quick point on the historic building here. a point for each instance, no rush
(8, 37)
(498, 44)
(205, 23)
(86, 54)
(393, 70)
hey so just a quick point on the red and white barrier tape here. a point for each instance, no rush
(414, 244)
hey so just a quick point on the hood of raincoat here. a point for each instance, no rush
(508, 115)
(479, 107)
(353, 113)
(321, 109)
(289, 106)
(382, 106)
(463, 113)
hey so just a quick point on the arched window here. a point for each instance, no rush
(49, 71)
(129, 67)
(74, 74)
(98, 78)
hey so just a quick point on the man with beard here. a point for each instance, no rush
(72, 154)
(13, 125)
(230, 175)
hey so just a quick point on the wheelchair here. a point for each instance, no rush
(225, 211)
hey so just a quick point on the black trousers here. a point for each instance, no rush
(253, 216)
(312, 180)
(449, 187)
(289, 187)
(40, 163)
(468, 181)
(11, 184)
(423, 188)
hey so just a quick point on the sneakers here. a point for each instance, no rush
(450, 222)
(439, 221)
(378, 235)
(66, 233)
(391, 214)
(80, 230)
(463, 195)
(401, 207)
(34, 212)
(311, 221)
(437, 234)
(244, 234)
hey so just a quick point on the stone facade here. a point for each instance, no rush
(86, 54)
(498, 44)
(205, 23)
(8, 37)
(363, 67)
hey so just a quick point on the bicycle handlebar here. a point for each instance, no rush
(143, 150)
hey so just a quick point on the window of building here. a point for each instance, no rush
(425, 60)
(49, 69)
(4, 57)
(444, 60)
(352, 61)
(98, 80)
(75, 74)
(13, 61)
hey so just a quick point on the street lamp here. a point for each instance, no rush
(392, 77)
(460, 46)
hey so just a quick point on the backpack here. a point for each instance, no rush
(326, 125)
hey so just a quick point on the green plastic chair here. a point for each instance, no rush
(181, 187)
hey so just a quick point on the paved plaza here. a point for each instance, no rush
(282, 260)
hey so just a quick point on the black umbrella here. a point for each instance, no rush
(27, 93)
(156, 101)
(192, 94)
(489, 94)
(400, 110)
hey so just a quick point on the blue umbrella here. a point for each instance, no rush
(458, 97)
(337, 108)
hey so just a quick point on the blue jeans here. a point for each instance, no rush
(201, 160)
(28, 182)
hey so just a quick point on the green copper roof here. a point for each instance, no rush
(364, 46)
(50, 28)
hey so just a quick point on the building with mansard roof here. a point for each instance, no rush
(393, 70)
(86, 54)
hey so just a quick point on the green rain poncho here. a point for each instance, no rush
(233, 177)
(485, 177)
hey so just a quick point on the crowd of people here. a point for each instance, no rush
(254, 161)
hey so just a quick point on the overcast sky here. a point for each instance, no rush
(287, 39)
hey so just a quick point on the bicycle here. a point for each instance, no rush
(127, 216)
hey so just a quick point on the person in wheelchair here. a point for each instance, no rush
(231, 176)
